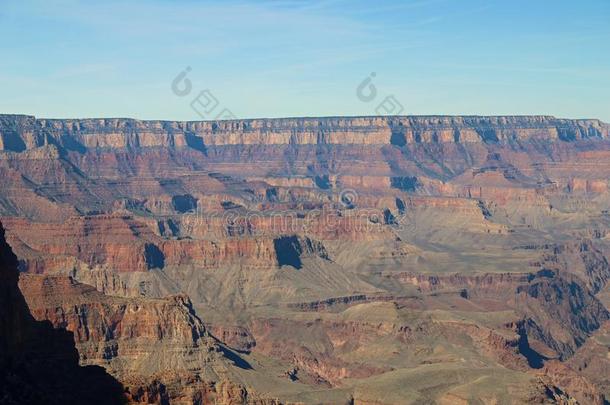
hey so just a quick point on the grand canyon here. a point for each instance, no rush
(336, 260)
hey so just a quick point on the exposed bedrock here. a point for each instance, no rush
(158, 349)
(316, 260)
(123, 133)
(559, 309)
(39, 363)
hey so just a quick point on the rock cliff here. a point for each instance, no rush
(39, 364)
(317, 260)
(20, 133)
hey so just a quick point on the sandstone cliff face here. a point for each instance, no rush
(105, 326)
(592, 360)
(158, 349)
(123, 133)
(54, 169)
(122, 243)
(562, 311)
(39, 364)
(559, 309)
(354, 259)
(560, 375)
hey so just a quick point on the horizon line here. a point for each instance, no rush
(310, 117)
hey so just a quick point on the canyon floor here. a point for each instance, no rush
(338, 260)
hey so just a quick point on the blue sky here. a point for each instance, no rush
(305, 58)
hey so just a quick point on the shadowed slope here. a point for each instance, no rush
(39, 364)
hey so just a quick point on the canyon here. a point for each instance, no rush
(335, 260)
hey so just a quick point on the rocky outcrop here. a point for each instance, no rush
(38, 363)
(128, 133)
(578, 388)
(337, 259)
(56, 344)
(582, 258)
(122, 243)
(236, 337)
(105, 327)
(498, 285)
(158, 349)
(561, 311)
(592, 360)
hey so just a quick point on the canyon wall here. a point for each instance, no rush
(39, 363)
(317, 260)
(21, 133)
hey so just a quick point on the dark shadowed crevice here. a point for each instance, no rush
(488, 135)
(271, 194)
(398, 138)
(567, 134)
(288, 251)
(404, 183)
(400, 206)
(196, 142)
(13, 142)
(534, 359)
(184, 203)
(322, 182)
(235, 358)
(153, 256)
(173, 227)
(388, 217)
(68, 143)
